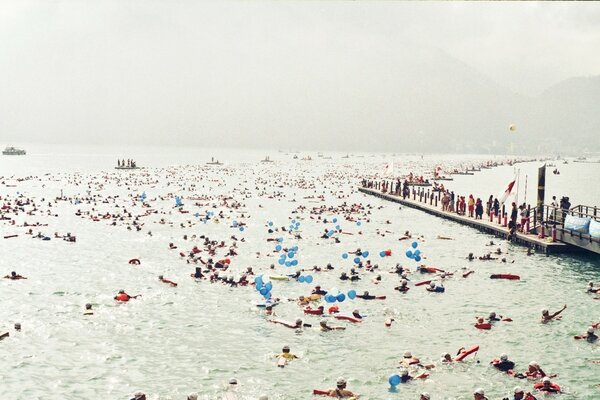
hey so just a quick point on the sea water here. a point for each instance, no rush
(197, 336)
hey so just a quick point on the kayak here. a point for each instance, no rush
(264, 305)
(505, 276)
(466, 352)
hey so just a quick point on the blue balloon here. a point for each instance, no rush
(338, 228)
(288, 263)
(294, 263)
(330, 233)
(394, 380)
(269, 286)
(290, 254)
(278, 247)
(352, 294)
(267, 296)
(281, 261)
(264, 291)
(358, 223)
(345, 255)
(356, 260)
(334, 220)
(382, 253)
(417, 258)
(258, 279)
(293, 221)
(330, 299)
(341, 297)
(295, 249)
(301, 279)
(409, 254)
(417, 252)
(241, 229)
(259, 285)
(270, 223)
(365, 254)
(414, 245)
(308, 279)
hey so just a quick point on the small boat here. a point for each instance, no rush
(214, 162)
(136, 167)
(295, 156)
(346, 156)
(13, 151)
(267, 160)
(309, 158)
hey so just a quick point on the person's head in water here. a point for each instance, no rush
(341, 383)
(160, 277)
(285, 349)
(17, 326)
(88, 306)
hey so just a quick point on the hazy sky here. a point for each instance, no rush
(155, 70)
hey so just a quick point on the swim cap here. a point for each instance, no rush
(298, 321)
(432, 284)
(138, 395)
(479, 391)
(286, 347)
(492, 314)
(544, 311)
(444, 355)
(533, 364)
(341, 381)
(503, 357)
(192, 396)
(425, 395)
(590, 330)
(407, 354)
(323, 322)
(546, 379)
(356, 312)
(233, 381)
(121, 291)
(518, 390)
(404, 281)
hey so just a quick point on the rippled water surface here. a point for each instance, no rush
(196, 336)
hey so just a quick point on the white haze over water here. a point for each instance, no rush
(314, 75)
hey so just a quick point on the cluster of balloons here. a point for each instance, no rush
(178, 201)
(356, 260)
(287, 259)
(305, 278)
(208, 215)
(385, 253)
(334, 295)
(143, 197)
(236, 225)
(294, 226)
(263, 288)
(415, 255)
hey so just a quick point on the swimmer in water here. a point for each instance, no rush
(504, 364)
(479, 394)
(546, 316)
(340, 392)
(325, 327)
(88, 309)
(14, 276)
(285, 353)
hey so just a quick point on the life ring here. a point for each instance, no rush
(483, 325)
(134, 261)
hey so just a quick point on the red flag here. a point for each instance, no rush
(508, 191)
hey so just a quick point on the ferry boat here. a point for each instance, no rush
(13, 151)
(214, 162)
(267, 160)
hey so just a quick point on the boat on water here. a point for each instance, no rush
(13, 151)
(295, 157)
(267, 160)
(309, 158)
(346, 156)
(214, 162)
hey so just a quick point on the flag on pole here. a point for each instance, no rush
(508, 191)
(388, 170)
